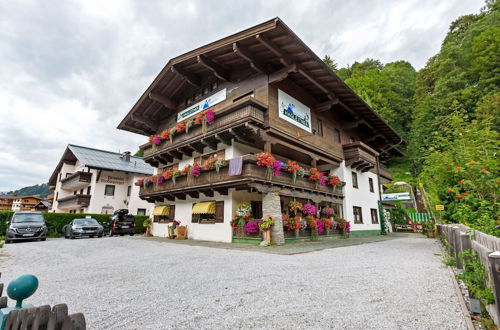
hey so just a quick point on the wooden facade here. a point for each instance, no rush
(251, 68)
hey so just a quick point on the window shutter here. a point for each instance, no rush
(219, 212)
(171, 214)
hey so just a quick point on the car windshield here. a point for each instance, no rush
(85, 222)
(27, 217)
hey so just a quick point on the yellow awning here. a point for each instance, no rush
(161, 210)
(204, 208)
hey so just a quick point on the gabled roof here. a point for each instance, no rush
(270, 47)
(101, 159)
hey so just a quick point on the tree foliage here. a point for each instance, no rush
(449, 111)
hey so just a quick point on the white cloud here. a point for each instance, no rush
(72, 69)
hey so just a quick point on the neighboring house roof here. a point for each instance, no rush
(8, 197)
(101, 159)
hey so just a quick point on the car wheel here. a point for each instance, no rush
(91, 236)
(99, 236)
(122, 234)
(131, 234)
(43, 239)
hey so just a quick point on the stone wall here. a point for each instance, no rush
(271, 206)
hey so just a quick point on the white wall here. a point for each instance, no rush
(360, 196)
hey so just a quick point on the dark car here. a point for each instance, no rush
(122, 223)
(83, 227)
(26, 226)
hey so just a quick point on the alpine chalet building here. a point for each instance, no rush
(88, 180)
(258, 119)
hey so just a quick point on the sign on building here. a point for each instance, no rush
(439, 207)
(293, 111)
(405, 196)
(202, 105)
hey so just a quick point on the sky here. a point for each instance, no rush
(71, 70)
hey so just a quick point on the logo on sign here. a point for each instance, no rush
(294, 111)
(202, 105)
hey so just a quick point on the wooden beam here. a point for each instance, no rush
(170, 198)
(250, 58)
(167, 158)
(188, 77)
(207, 193)
(324, 106)
(168, 103)
(218, 70)
(197, 147)
(282, 74)
(148, 122)
(210, 143)
(222, 191)
(285, 59)
(353, 124)
(186, 150)
(181, 196)
(318, 84)
(175, 154)
(194, 194)
(224, 138)
(374, 137)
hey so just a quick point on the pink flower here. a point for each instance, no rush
(156, 140)
(309, 209)
(209, 116)
(195, 171)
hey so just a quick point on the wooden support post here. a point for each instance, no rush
(494, 259)
(457, 246)
(267, 147)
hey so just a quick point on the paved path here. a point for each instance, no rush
(132, 283)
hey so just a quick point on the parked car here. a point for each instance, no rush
(26, 226)
(83, 227)
(122, 223)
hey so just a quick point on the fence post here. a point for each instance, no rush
(456, 245)
(494, 259)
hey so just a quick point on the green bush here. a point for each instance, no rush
(56, 221)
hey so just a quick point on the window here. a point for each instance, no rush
(141, 211)
(68, 174)
(374, 215)
(256, 209)
(128, 190)
(336, 135)
(370, 183)
(319, 127)
(164, 217)
(109, 190)
(60, 176)
(217, 217)
(358, 215)
(354, 180)
(88, 190)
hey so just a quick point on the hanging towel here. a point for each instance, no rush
(235, 165)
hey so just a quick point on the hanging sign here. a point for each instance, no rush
(405, 196)
(293, 111)
(439, 207)
(202, 105)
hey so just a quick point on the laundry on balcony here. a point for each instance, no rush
(235, 166)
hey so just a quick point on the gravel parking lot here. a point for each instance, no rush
(134, 283)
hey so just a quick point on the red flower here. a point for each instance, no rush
(472, 162)
(466, 194)
(484, 170)
(265, 159)
(461, 181)
(458, 197)
(315, 174)
(450, 190)
(458, 168)
(165, 135)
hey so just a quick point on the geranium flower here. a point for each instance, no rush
(458, 168)
(309, 209)
(156, 140)
(458, 197)
(466, 194)
(450, 190)
(472, 162)
(484, 170)
(462, 181)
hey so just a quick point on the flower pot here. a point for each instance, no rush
(148, 232)
(267, 235)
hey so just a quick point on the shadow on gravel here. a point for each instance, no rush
(289, 248)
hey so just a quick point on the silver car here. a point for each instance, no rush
(83, 227)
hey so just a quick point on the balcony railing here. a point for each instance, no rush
(359, 156)
(76, 181)
(230, 122)
(78, 200)
(252, 176)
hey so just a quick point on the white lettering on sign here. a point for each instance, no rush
(202, 105)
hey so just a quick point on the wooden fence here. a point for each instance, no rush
(42, 317)
(461, 238)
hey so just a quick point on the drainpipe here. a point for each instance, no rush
(380, 208)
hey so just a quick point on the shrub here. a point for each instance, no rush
(56, 221)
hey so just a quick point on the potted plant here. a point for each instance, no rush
(265, 225)
(147, 224)
(172, 229)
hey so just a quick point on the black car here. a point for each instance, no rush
(26, 226)
(83, 227)
(122, 223)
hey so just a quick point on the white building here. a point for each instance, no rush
(88, 180)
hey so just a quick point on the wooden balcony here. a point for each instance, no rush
(252, 177)
(74, 201)
(359, 156)
(240, 120)
(76, 181)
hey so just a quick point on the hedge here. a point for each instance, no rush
(56, 221)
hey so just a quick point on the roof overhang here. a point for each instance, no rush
(270, 48)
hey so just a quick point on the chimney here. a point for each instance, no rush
(126, 156)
